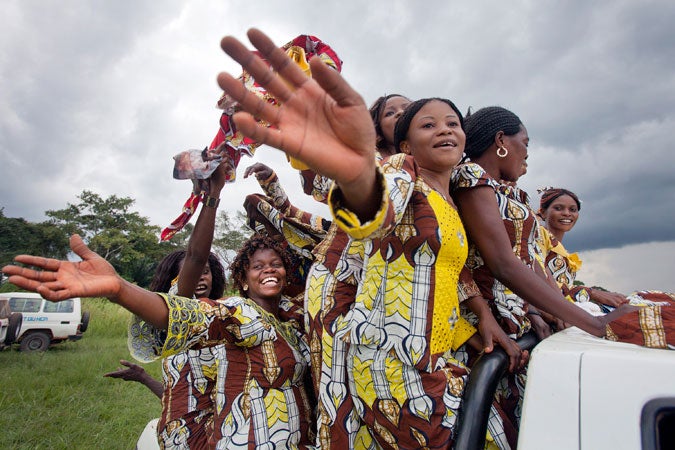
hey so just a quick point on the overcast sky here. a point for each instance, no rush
(100, 95)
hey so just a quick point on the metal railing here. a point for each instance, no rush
(479, 394)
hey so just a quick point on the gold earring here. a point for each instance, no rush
(245, 287)
(504, 150)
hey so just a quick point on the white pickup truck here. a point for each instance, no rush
(582, 393)
(44, 322)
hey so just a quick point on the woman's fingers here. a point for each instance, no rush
(280, 88)
(35, 261)
(80, 248)
(265, 135)
(334, 84)
(25, 275)
(24, 283)
(292, 75)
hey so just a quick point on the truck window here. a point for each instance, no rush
(25, 305)
(65, 306)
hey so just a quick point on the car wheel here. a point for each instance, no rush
(84, 323)
(37, 341)
(14, 327)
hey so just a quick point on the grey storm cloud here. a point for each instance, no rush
(100, 95)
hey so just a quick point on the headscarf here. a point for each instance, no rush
(550, 194)
(204, 162)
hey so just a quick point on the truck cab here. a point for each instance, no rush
(44, 322)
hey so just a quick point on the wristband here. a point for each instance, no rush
(211, 202)
(533, 313)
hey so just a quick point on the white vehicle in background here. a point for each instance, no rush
(44, 322)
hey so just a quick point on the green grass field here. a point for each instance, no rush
(59, 399)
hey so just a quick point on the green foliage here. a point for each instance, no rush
(6, 286)
(59, 399)
(17, 236)
(110, 228)
(122, 236)
(229, 236)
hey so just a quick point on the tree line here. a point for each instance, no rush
(112, 229)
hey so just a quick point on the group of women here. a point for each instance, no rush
(432, 257)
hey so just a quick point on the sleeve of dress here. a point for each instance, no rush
(466, 287)
(313, 223)
(397, 179)
(314, 184)
(275, 192)
(470, 175)
(196, 324)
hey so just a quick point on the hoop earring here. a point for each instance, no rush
(245, 287)
(504, 150)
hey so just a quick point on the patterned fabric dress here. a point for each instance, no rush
(187, 408)
(274, 215)
(510, 310)
(563, 266)
(404, 324)
(651, 326)
(259, 397)
(521, 224)
(187, 405)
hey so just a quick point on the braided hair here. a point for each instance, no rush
(484, 124)
(403, 122)
(376, 112)
(242, 261)
(549, 195)
(168, 269)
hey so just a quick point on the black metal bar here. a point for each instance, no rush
(479, 393)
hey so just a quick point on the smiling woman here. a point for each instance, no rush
(559, 211)
(263, 355)
(259, 387)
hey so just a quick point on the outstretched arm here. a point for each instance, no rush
(92, 277)
(134, 372)
(322, 121)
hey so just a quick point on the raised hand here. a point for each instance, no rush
(92, 277)
(260, 170)
(219, 176)
(322, 121)
(60, 280)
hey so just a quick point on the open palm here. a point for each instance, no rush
(322, 121)
(59, 280)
